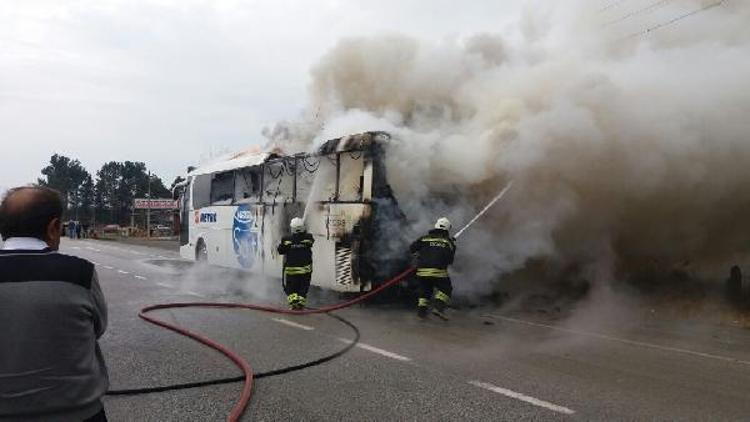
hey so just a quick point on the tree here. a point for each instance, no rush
(66, 176)
(158, 190)
(134, 184)
(119, 184)
(108, 199)
(86, 195)
(108, 180)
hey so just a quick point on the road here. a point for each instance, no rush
(483, 365)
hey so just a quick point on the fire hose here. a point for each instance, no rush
(241, 363)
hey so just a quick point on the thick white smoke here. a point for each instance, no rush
(625, 145)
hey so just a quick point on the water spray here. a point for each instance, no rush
(484, 210)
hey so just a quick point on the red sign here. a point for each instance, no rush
(155, 204)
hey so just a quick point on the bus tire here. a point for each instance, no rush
(201, 252)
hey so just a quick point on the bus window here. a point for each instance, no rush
(324, 185)
(247, 185)
(222, 188)
(279, 181)
(307, 168)
(201, 191)
(350, 179)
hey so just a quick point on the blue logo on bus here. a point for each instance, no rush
(244, 236)
(208, 217)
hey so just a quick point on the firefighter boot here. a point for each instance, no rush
(301, 302)
(293, 300)
(441, 302)
(422, 308)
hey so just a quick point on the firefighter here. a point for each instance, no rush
(297, 251)
(435, 253)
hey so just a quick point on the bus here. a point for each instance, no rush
(234, 212)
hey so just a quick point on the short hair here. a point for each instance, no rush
(27, 211)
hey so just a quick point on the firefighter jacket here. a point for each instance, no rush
(435, 253)
(297, 251)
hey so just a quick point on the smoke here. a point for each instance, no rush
(216, 283)
(625, 146)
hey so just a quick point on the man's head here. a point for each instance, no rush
(32, 211)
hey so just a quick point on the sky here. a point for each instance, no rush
(175, 82)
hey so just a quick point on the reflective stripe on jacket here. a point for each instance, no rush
(306, 269)
(432, 272)
(297, 251)
(435, 253)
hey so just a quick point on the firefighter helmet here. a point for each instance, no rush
(443, 224)
(297, 225)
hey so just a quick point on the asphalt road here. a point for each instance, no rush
(484, 365)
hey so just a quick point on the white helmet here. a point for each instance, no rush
(443, 224)
(297, 225)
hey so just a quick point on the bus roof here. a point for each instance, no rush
(256, 157)
(245, 159)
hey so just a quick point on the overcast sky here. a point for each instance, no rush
(169, 82)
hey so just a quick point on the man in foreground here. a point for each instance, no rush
(297, 251)
(52, 311)
(435, 253)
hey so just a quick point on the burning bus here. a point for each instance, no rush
(234, 212)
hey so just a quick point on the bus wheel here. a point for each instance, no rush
(201, 253)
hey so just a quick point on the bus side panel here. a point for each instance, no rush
(222, 236)
(335, 228)
(206, 226)
(272, 226)
(324, 274)
(187, 250)
(275, 227)
(258, 228)
(244, 243)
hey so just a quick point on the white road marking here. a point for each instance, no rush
(379, 351)
(93, 249)
(108, 267)
(95, 263)
(626, 341)
(158, 283)
(192, 293)
(140, 277)
(161, 257)
(76, 247)
(122, 272)
(293, 324)
(522, 397)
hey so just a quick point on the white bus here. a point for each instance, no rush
(234, 213)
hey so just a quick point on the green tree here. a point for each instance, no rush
(108, 180)
(134, 184)
(66, 176)
(158, 189)
(119, 184)
(86, 195)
